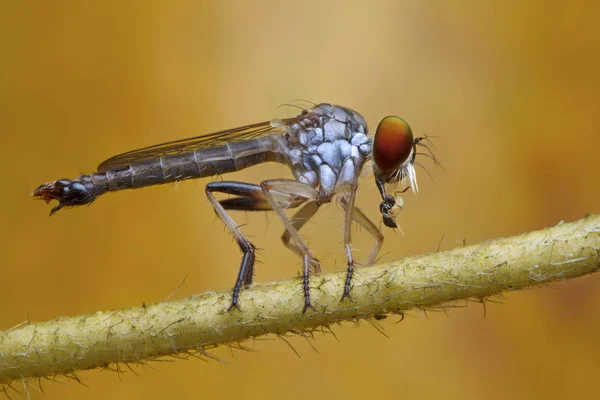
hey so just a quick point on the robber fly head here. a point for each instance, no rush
(394, 152)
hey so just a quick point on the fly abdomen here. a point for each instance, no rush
(153, 172)
(171, 168)
(199, 163)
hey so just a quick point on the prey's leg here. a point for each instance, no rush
(282, 187)
(251, 197)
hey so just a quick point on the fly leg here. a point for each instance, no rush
(310, 209)
(364, 221)
(250, 198)
(298, 221)
(299, 190)
(348, 204)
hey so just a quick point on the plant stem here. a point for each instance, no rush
(66, 345)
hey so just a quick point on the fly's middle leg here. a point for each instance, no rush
(298, 221)
(279, 187)
(249, 198)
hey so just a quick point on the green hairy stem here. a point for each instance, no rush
(189, 326)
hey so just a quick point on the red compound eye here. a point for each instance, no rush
(392, 144)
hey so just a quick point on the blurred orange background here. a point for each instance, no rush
(509, 88)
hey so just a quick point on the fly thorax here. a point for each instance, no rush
(329, 147)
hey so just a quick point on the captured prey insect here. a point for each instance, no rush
(325, 146)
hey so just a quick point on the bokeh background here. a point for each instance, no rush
(509, 88)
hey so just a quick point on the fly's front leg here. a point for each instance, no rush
(303, 191)
(355, 213)
(366, 223)
(250, 198)
(348, 203)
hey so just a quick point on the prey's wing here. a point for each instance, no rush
(212, 139)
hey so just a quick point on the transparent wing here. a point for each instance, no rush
(212, 139)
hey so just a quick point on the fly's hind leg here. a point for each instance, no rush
(250, 198)
(299, 190)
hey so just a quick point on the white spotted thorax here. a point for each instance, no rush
(328, 148)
